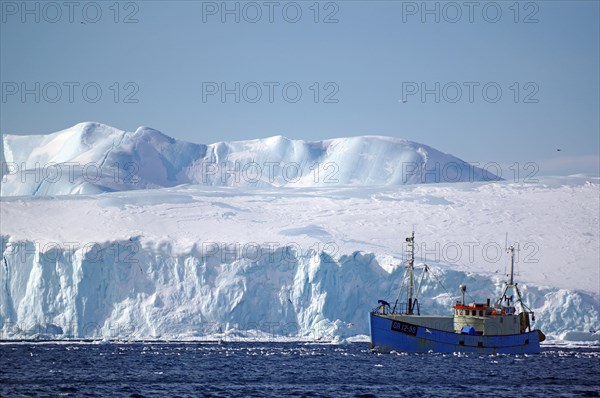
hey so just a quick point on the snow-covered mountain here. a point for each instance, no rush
(92, 158)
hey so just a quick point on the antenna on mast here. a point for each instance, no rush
(510, 283)
(511, 250)
(506, 249)
(411, 274)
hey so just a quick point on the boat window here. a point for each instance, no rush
(480, 312)
(461, 312)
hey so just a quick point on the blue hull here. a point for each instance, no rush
(387, 336)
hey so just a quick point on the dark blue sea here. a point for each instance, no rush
(288, 369)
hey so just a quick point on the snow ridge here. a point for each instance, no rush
(92, 158)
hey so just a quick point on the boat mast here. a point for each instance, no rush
(411, 273)
(510, 284)
(511, 249)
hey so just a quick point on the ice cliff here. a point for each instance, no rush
(128, 290)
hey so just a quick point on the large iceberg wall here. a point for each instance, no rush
(134, 290)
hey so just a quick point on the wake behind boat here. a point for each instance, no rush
(499, 328)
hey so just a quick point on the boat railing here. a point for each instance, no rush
(384, 308)
(402, 308)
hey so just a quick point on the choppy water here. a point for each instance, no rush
(288, 369)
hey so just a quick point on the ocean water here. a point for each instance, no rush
(288, 369)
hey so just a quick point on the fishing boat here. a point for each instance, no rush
(502, 327)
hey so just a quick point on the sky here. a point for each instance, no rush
(506, 82)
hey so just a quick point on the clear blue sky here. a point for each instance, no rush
(372, 56)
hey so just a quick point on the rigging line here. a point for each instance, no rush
(525, 307)
(517, 263)
(471, 297)
(466, 291)
(400, 291)
(423, 274)
(444, 287)
(439, 281)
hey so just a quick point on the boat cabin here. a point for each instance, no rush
(483, 319)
